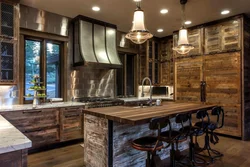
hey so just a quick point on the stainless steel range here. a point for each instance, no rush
(97, 102)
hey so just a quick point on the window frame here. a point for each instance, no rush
(44, 38)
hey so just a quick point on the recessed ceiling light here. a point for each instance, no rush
(160, 30)
(164, 11)
(188, 22)
(137, 0)
(224, 12)
(95, 8)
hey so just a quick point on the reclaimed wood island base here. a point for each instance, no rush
(108, 133)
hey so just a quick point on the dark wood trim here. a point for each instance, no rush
(137, 72)
(21, 68)
(43, 38)
(12, 2)
(243, 135)
(96, 65)
(127, 50)
(63, 70)
(125, 75)
(43, 35)
(94, 21)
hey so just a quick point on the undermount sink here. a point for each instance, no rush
(141, 106)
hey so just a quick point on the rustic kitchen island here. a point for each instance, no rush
(108, 132)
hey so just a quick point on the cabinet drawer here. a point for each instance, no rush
(43, 137)
(71, 124)
(33, 119)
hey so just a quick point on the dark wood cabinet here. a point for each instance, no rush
(32, 120)
(40, 126)
(48, 126)
(150, 61)
(166, 76)
(9, 27)
(14, 159)
(71, 126)
(43, 137)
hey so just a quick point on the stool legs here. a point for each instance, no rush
(192, 157)
(152, 160)
(148, 161)
(210, 150)
(172, 156)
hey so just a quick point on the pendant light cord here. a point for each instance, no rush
(138, 5)
(183, 16)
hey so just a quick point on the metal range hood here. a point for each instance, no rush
(95, 43)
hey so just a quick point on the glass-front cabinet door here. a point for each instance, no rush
(7, 20)
(8, 43)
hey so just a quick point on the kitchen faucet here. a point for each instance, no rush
(142, 92)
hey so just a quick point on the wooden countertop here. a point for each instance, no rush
(135, 116)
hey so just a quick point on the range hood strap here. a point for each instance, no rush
(105, 36)
(93, 41)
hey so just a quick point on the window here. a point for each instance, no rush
(125, 77)
(42, 58)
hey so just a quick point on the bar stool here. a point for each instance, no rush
(195, 131)
(209, 128)
(152, 144)
(175, 137)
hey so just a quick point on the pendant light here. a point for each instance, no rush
(183, 46)
(138, 34)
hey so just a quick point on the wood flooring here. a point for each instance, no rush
(236, 154)
(69, 156)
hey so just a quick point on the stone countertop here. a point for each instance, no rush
(134, 99)
(11, 139)
(42, 106)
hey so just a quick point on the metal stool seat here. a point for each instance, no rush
(152, 144)
(147, 143)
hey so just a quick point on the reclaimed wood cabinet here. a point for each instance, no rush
(221, 74)
(223, 37)
(14, 159)
(40, 126)
(71, 126)
(166, 61)
(48, 126)
(9, 27)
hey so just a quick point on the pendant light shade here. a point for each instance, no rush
(139, 34)
(183, 46)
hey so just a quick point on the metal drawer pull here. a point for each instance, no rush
(30, 131)
(32, 111)
(76, 115)
(72, 108)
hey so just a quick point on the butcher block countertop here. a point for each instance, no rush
(135, 116)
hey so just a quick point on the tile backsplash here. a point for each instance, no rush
(89, 82)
